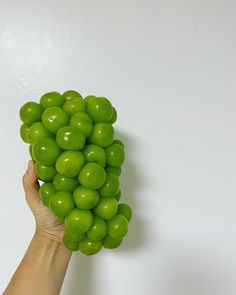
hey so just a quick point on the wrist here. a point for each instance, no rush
(50, 238)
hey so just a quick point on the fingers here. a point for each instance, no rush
(30, 183)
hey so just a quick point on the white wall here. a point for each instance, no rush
(169, 68)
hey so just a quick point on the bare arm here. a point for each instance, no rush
(43, 267)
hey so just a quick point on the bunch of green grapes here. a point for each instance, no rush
(76, 157)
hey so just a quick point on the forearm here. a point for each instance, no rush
(42, 269)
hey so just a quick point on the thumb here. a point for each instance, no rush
(31, 185)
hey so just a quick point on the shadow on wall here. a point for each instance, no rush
(81, 275)
(196, 272)
(131, 181)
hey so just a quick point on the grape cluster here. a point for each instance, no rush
(76, 157)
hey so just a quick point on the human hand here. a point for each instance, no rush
(47, 224)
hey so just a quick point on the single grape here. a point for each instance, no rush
(61, 204)
(73, 236)
(54, 118)
(70, 138)
(100, 109)
(95, 154)
(114, 170)
(69, 163)
(92, 176)
(63, 183)
(111, 186)
(37, 131)
(74, 105)
(125, 210)
(89, 247)
(46, 151)
(115, 155)
(106, 208)
(85, 198)
(110, 243)
(46, 191)
(70, 94)
(88, 98)
(102, 134)
(24, 130)
(30, 112)
(44, 172)
(114, 116)
(70, 244)
(117, 227)
(98, 230)
(83, 122)
(51, 99)
(79, 221)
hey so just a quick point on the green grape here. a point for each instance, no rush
(37, 131)
(117, 227)
(98, 230)
(30, 112)
(83, 122)
(114, 116)
(61, 204)
(85, 198)
(74, 105)
(125, 210)
(69, 163)
(79, 221)
(70, 94)
(51, 99)
(46, 151)
(95, 154)
(63, 183)
(24, 130)
(100, 109)
(106, 208)
(114, 170)
(102, 134)
(118, 141)
(88, 98)
(111, 186)
(110, 243)
(92, 176)
(54, 118)
(46, 191)
(71, 245)
(70, 138)
(90, 247)
(74, 236)
(115, 155)
(44, 172)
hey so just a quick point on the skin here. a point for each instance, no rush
(45, 262)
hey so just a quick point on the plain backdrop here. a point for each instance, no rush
(169, 69)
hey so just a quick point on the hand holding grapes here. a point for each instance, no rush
(47, 224)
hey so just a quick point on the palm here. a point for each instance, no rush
(46, 222)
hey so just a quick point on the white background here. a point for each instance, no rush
(169, 68)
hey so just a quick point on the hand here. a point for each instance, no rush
(47, 224)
